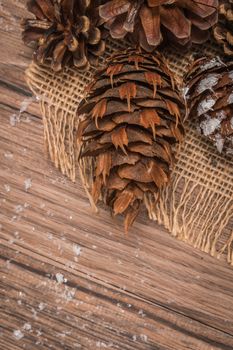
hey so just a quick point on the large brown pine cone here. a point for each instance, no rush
(131, 117)
(223, 31)
(210, 100)
(149, 22)
(64, 32)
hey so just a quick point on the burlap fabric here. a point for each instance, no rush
(197, 207)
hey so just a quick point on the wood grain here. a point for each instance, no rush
(141, 291)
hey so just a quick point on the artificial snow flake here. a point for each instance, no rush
(27, 326)
(18, 334)
(27, 184)
(77, 249)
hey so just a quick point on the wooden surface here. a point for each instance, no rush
(71, 279)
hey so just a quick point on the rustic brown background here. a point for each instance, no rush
(71, 279)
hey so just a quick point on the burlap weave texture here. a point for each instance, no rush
(197, 207)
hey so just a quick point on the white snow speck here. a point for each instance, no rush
(18, 334)
(60, 278)
(144, 337)
(141, 313)
(205, 105)
(134, 337)
(27, 184)
(24, 105)
(27, 327)
(42, 306)
(77, 249)
(50, 236)
(209, 125)
(38, 333)
(7, 188)
(19, 208)
(101, 344)
(207, 83)
(14, 119)
(8, 155)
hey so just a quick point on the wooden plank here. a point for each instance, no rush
(71, 279)
(183, 293)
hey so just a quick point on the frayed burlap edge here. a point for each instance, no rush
(197, 206)
(58, 118)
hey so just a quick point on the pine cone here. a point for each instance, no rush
(210, 100)
(64, 32)
(223, 31)
(130, 119)
(148, 22)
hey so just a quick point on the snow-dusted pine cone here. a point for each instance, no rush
(210, 100)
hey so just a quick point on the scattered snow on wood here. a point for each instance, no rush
(60, 278)
(18, 334)
(27, 184)
(8, 155)
(19, 208)
(27, 326)
(77, 249)
(141, 313)
(16, 117)
(42, 306)
(7, 188)
(144, 337)
(101, 344)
